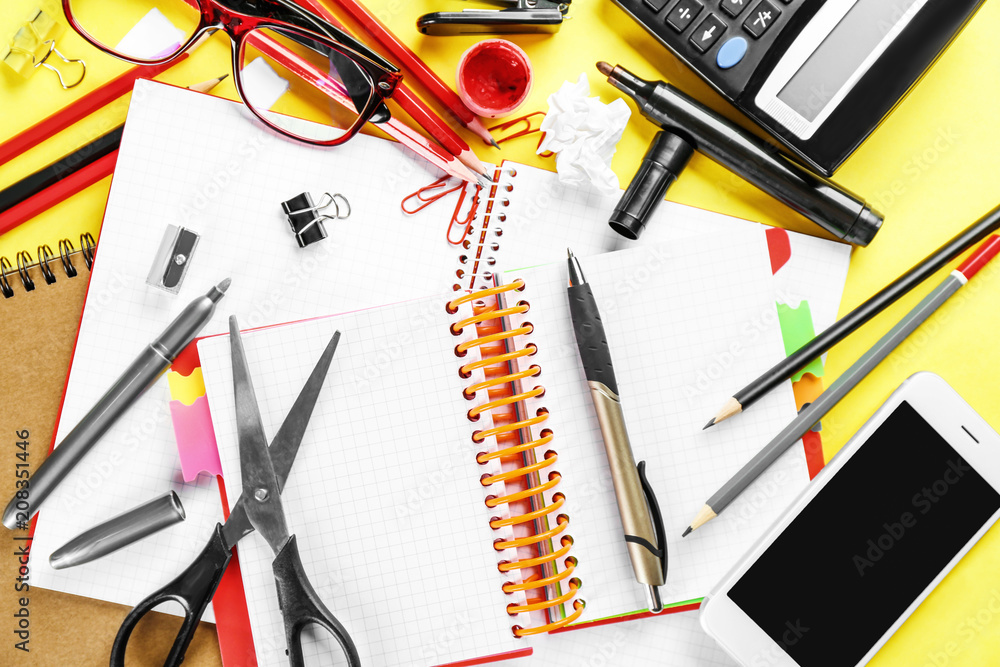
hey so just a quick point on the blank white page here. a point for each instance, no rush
(203, 163)
(384, 495)
(686, 323)
(671, 640)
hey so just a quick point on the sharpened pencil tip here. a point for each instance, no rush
(687, 532)
(495, 144)
(709, 424)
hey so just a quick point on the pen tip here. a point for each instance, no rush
(604, 68)
(58, 560)
(687, 532)
(569, 253)
(709, 424)
(10, 514)
(224, 285)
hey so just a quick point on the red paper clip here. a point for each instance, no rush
(432, 197)
(528, 129)
(473, 209)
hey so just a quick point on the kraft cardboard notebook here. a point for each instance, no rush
(39, 316)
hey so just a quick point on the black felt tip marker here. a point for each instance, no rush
(640, 514)
(830, 206)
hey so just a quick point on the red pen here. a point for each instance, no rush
(408, 59)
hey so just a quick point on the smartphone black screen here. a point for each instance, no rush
(871, 540)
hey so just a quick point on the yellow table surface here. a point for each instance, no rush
(931, 169)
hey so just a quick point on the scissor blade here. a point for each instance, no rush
(261, 493)
(285, 445)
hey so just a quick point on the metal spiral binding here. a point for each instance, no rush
(45, 256)
(481, 244)
(500, 402)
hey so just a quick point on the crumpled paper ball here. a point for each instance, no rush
(584, 132)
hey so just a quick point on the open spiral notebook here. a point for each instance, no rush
(387, 495)
(231, 195)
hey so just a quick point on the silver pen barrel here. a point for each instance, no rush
(119, 531)
(151, 363)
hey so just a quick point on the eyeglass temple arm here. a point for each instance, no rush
(303, 18)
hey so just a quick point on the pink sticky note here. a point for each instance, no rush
(195, 438)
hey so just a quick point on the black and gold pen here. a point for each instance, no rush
(640, 513)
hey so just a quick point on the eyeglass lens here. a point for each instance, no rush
(142, 29)
(303, 87)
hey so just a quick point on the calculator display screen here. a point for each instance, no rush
(866, 546)
(843, 51)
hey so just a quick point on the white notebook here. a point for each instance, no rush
(385, 494)
(201, 162)
(205, 163)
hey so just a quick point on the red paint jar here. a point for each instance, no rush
(494, 77)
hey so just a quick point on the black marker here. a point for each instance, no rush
(831, 207)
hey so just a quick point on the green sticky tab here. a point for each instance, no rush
(797, 330)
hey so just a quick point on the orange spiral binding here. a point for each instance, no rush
(498, 363)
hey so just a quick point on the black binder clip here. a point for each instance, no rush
(304, 219)
(522, 17)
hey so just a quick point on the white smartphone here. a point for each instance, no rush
(869, 538)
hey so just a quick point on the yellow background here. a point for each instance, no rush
(932, 168)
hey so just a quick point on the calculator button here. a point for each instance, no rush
(707, 33)
(731, 53)
(734, 7)
(683, 13)
(655, 5)
(760, 19)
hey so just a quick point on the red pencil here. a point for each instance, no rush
(79, 109)
(419, 111)
(409, 60)
(59, 191)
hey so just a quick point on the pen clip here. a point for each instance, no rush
(656, 517)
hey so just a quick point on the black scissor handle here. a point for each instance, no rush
(193, 589)
(301, 607)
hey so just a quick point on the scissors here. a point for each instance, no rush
(263, 472)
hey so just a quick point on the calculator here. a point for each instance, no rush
(817, 75)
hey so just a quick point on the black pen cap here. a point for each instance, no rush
(663, 162)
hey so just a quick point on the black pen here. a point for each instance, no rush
(637, 506)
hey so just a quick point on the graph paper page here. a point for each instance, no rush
(686, 323)
(672, 640)
(542, 216)
(201, 162)
(384, 495)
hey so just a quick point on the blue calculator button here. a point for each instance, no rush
(731, 53)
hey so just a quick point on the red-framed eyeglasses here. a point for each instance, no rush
(296, 72)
